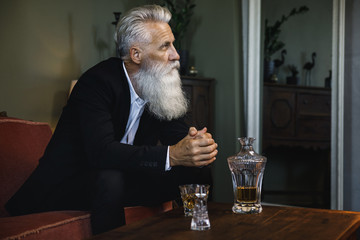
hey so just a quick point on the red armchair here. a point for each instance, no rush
(22, 143)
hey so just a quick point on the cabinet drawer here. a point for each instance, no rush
(314, 129)
(314, 104)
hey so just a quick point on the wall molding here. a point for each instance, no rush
(252, 82)
(337, 106)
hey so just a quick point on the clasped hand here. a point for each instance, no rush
(197, 149)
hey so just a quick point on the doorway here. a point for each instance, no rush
(337, 54)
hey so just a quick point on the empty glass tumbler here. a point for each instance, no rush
(247, 170)
(200, 217)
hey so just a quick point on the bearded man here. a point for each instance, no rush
(105, 152)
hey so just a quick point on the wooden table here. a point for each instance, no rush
(274, 222)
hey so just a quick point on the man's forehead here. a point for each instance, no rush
(160, 31)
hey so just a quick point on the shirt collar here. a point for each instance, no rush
(133, 95)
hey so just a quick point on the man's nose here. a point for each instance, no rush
(173, 54)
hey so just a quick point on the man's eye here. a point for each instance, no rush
(165, 46)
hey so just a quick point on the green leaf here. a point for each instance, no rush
(182, 11)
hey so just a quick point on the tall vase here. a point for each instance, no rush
(269, 68)
(184, 61)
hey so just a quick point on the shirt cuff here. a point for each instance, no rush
(167, 164)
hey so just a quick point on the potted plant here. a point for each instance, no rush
(182, 11)
(293, 79)
(272, 44)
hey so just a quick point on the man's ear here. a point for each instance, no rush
(136, 55)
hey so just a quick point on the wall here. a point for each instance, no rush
(214, 47)
(352, 107)
(303, 34)
(45, 44)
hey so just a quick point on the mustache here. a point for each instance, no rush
(169, 67)
(175, 64)
(160, 67)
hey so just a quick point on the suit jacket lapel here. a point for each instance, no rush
(121, 110)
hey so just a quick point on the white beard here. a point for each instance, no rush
(160, 86)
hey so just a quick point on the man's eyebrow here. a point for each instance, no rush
(165, 44)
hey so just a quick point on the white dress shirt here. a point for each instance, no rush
(137, 106)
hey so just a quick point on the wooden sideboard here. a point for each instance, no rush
(200, 92)
(296, 141)
(296, 116)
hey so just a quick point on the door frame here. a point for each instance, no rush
(253, 88)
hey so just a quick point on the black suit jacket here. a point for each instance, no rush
(89, 131)
(94, 121)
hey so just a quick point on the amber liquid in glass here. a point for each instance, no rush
(246, 194)
(189, 200)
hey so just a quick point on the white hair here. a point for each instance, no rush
(131, 28)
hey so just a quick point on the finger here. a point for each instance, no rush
(203, 136)
(208, 149)
(201, 132)
(192, 131)
(205, 155)
(205, 162)
(203, 142)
